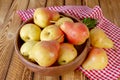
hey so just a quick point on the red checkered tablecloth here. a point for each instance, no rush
(112, 71)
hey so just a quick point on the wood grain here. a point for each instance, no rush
(111, 10)
(36, 4)
(18, 71)
(54, 2)
(40, 77)
(91, 3)
(76, 75)
(4, 7)
(73, 2)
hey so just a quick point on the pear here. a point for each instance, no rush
(67, 53)
(76, 32)
(45, 53)
(99, 39)
(62, 20)
(43, 16)
(25, 48)
(97, 59)
(52, 32)
(30, 32)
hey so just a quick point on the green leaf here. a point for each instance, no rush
(90, 23)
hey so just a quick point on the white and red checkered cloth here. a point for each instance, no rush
(112, 71)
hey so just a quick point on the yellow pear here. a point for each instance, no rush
(62, 20)
(97, 59)
(43, 16)
(45, 53)
(52, 32)
(99, 39)
(30, 32)
(25, 48)
(67, 53)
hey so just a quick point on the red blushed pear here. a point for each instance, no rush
(77, 33)
(97, 59)
(45, 53)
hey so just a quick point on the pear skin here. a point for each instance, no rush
(99, 39)
(26, 47)
(52, 32)
(45, 53)
(62, 20)
(30, 32)
(67, 53)
(43, 16)
(76, 33)
(97, 59)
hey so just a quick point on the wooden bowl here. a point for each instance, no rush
(55, 69)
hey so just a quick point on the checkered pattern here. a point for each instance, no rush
(112, 71)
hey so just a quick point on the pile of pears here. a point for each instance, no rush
(36, 40)
(97, 58)
(50, 39)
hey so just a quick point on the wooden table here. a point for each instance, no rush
(11, 67)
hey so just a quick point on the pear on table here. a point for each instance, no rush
(99, 39)
(97, 59)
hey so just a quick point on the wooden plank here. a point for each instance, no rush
(76, 75)
(9, 27)
(17, 70)
(54, 3)
(107, 9)
(5, 56)
(40, 77)
(4, 7)
(91, 3)
(111, 10)
(72, 2)
(36, 4)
